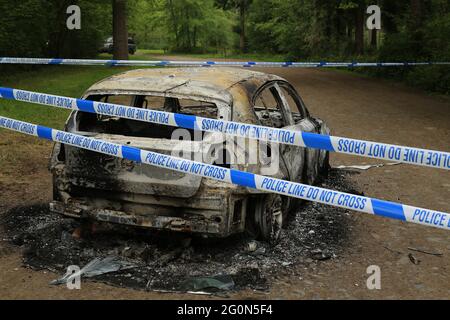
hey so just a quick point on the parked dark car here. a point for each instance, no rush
(108, 46)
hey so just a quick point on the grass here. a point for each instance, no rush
(144, 54)
(72, 81)
(69, 81)
(22, 153)
(238, 56)
(141, 54)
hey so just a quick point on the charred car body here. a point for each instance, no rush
(91, 185)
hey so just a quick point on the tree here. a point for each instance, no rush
(416, 13)
(37, 28)
(374, 33)
(147, 23)
(359, 27)
(415, 25)
(390, 10)
(198, 26)
(243, 7)
(120, 31)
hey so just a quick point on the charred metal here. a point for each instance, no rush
(105, 188)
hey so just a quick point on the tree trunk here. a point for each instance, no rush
(57, 37)
(373, 38)
(359, 29)
(120, 31)
(415, 27)
(195, 37)
(242, 12)
(389, 11)
(416, 19)
(174, 23)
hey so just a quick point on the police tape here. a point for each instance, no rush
(244, 179)
(168, 63)
(368, 149)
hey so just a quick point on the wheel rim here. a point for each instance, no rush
(273, 215)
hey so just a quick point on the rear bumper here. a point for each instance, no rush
(217, 214)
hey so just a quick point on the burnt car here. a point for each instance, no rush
(96, 186)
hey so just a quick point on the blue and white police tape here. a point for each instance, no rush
(168, 63)
(375, 150)
(292, 189)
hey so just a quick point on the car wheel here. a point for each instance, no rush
(325, 166)
(56, 196)
(267, 221)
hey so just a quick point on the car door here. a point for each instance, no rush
(304, 162)
(271, 112)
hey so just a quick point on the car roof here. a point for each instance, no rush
(210, 82)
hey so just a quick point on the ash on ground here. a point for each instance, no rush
(165, 261)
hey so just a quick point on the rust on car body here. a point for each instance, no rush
(91, 185)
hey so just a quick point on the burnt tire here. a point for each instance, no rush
(265, 218)
(325, 168)
(55, 193)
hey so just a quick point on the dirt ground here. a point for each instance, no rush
(353, 106)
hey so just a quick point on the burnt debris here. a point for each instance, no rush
(169, 261)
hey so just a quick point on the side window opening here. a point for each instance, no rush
(198, 108)
(268, 110)
(89, 122)
(294, 104)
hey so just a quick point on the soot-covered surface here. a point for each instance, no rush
(165, 260)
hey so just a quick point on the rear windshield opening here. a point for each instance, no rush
(89, 122)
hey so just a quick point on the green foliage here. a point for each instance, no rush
(299, 28)
(37, 28)
(436, 48)
(413, 30)
(19, 20)
(69, 81)
(146, 23)
(181, 25)
(198, 26)
(434, 45)
(320, 29)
